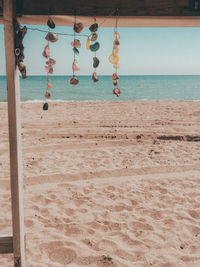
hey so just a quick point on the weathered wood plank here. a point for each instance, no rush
(6, 244)
(105, 8)
(13, 95)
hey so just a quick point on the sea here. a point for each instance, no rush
(167, 87)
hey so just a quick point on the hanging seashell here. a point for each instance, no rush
(95, 62)
(116, 66)
(113, 58)
(116, 49)
(47, 95)
(94, 77)
(94, 47)
(51, 62)
(22, 69)
(115, 82)
(94, 37)
(116, 91)
(46, 51)
(116, 35)
(75, 66)
(115, 76)
(51, 37)
(116, 42)
(75, 50)
(48, 79)
(74, 81)
(88, 43)
(50, 23)
(49, 69)
(49, 86)
(76, 43)
(94, 27)
(45, 106)
(78, 27)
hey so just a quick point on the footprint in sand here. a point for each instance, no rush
(58, 253)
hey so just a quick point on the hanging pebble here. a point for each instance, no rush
(94, 37)
(95, 62)
(51, 37)
(94, 77)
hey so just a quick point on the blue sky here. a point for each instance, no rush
(143, 51)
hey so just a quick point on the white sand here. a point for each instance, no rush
(107, 184)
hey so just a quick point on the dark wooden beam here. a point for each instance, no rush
(105, 7)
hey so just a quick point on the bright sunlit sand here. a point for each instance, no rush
(107, 184)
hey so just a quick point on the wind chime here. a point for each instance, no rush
(94, 47)
(114, 59)
(50, 37)
(78, 27)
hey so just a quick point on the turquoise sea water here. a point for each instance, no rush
(132, 88)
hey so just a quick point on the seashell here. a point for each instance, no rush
(74, 81)
(49, 69)
(75, 66)
(47, 95)
(115, 76)
(17, 52)
(88, 43)
(95, 62)
(49, 86)
(94, 47)
(116, 42)
(94, 37)
(46, 52)
(116, 49)
(116, 35)
(113, 58)
(115, 82)
(45, 106)
(51, 37)
(94, 77)
(76, 43)
(48, 79)
(51, 62)
(22, 69)
(116, 91)
(75, 50)
(78, 27)
(50, 23)
(94, 27)
(116, 66)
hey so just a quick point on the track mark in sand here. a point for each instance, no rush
(60, 177)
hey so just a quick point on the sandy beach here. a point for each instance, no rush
(107, 184)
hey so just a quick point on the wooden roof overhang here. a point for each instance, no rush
(132, 13)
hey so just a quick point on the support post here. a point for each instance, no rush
(14, 122)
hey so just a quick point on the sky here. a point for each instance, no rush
(142, 51)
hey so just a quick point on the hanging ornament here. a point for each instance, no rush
(94, 27)
(114, 59)
(88, 43)
(94, 47)
(50, 37)
(19, 47)
(50, 23)
(75, 44)
(78, 27)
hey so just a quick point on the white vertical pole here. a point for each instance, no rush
(14, 122)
